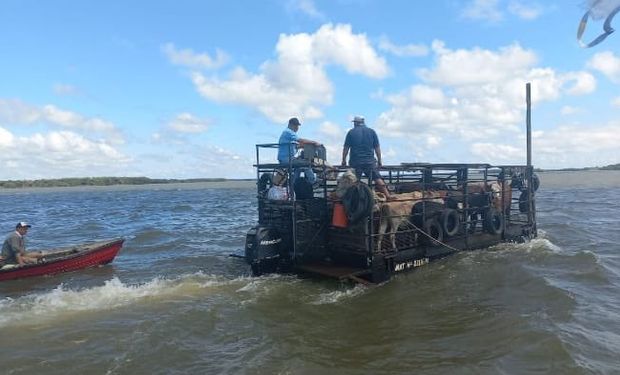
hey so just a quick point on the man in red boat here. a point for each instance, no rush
(14, 247)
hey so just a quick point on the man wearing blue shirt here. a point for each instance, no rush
(364, 144)
(289, 140)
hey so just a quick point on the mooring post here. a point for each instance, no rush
(528, 122)
(531, 218)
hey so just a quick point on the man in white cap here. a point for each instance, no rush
(14, 247)
(364, 144)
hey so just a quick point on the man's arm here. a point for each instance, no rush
(303, 141)
(345, 152)
(375, 141)
(20, 259)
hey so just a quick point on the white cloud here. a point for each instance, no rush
(332, 130)
(296, 82)
(18, 112)
(487, 10)
(583, 83)
(65, 89)
(188, 123)
(564, 146)
(6, 138)
(496, 153)
(570, 146)
(606, 63)
(307, 7)
(464, 67)
(13, 111)
(526, 11)
(569, 110)
(187, 57)
(616, 102)
(492, 11)
(212, 161)
(402, 50)
(56, 154)
(332, 136)
(474, 95)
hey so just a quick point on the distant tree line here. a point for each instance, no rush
(98, 181)
(611, 167)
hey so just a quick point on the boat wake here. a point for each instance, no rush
(63, 301)
(340, 295)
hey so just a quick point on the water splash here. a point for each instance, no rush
(63, 301)
(340, 295)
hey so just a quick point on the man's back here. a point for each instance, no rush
(11, 246)
(362, 141)
(286, 150)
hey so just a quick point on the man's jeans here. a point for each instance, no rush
(308, 172)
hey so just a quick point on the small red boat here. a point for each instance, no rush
(66, 259)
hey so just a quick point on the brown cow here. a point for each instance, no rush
(396, 211)
(495, 188)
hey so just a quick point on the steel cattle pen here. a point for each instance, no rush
(447, 208)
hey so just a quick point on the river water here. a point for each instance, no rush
(174, 302)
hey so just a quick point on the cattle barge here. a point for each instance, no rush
(343, 229)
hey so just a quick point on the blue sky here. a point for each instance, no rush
(185, 89)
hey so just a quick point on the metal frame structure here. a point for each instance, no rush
(312, 244)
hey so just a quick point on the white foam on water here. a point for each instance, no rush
(534, 245)
(262, 286)
(62, 301)
(340, 295)
(537, 244)
(258, 284)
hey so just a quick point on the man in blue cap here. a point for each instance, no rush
(363, 143)
(14, 247)
(288, 143)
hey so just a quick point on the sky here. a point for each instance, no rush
(187, 88)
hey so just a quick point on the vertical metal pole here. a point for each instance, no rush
(291, 174)
(257, 169)
(528, 122)
(465, 177)
(530, 170)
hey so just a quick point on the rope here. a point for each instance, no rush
(431, 237)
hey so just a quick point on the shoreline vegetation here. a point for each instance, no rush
(103, 181)
(110, 181)
(611, 167)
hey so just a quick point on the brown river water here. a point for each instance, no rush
(174, 302)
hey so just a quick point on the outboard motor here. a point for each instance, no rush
(263, 250)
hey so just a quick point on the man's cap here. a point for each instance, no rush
(23, 224)
(294, 121)
(358, 119)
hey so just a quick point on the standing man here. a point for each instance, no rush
(288, 147)
(364, 144)
(14, 247)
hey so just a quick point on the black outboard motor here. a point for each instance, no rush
(263, 250)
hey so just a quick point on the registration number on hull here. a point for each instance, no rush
(410, 264)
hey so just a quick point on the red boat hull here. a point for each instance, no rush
(78, 258)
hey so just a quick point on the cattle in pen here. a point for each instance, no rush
(398, 211)
(495, 194)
